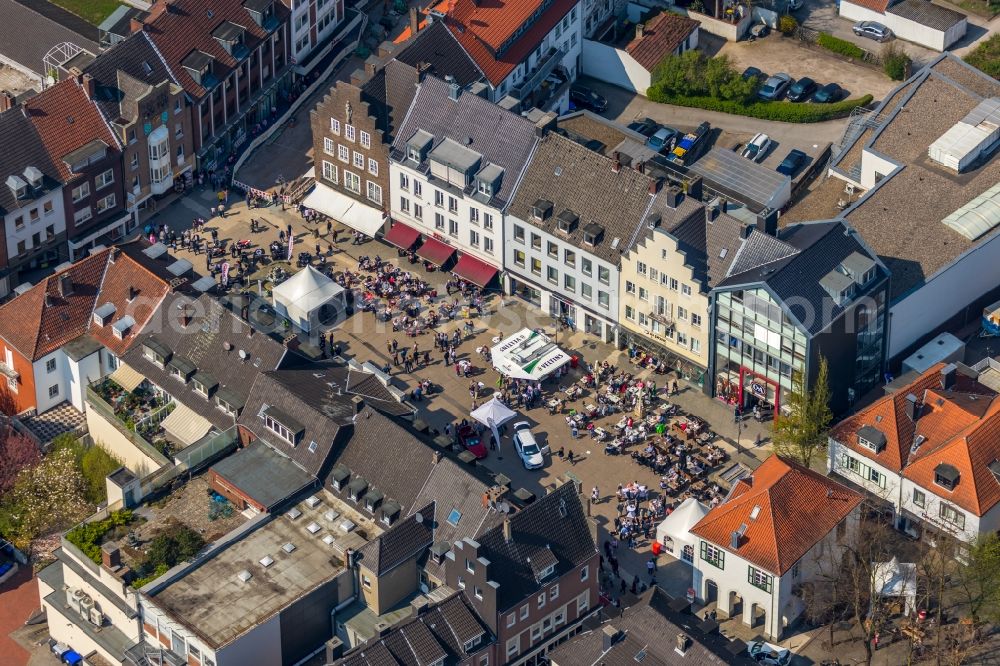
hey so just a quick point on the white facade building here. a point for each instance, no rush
(312, 22)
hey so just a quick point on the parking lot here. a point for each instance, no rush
(777, 53)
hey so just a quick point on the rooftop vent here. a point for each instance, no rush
(244, 576)
(293, 513)
(288, 547)
(313, 502)
(313, 528)
(266, 561)
(328, 539)
(331, 516)
(964, 142)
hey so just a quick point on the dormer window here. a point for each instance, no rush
(261, 11)
(838, 286)
(418, 146)
(181, 368)
(541, 209)
(104, 314)
(339, 477)
(198, 65)
(282, 425)
(946, 476)
(546, 572)
(231, 37)
(488, 180)
(390, 512)
(156, 352)
(871, 439)
(356, 489)
(592, 234)
(567, 221)
(372, 500)
(454, 162)
(17, 186)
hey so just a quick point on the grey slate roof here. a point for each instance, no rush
(403, 541)
(555, 523)
(436, 48)
(324, 384)
(293, 397)
(727, 171)
(501, 137)
(649, 626)
(29, 29)
(263, 474)
(202, 343)
(926, 13)
(23, 148)
(132, 56)
(439, 633)
(793, 265)
(578, 179)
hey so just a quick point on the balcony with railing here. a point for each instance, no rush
(546, 66)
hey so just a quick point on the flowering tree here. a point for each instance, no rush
(17, 452)
(46, 497)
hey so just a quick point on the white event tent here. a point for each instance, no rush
(308, 298)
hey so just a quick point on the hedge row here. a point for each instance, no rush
(789, 112)
(841, 46)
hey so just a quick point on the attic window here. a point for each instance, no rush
(281, 424)
(871, 438)
(546, 572)
(567, 221)
(541, 209)
(123, 327)
(104, 314)
(946, 476)
(592, 234)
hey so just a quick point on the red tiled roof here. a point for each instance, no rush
(66, 119)
(187, 25)
(943, 415)
(482, 28)
(34, 329)
(150, 289)
(783, 530)
(971, 453)
(874, 5)
(661, 36)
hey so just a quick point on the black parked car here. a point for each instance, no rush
(646, 127)
(792, 162)
(828, 94)
(801, 89)
(585, 98)
(754, 73)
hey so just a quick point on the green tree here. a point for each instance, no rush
(799, 434)
(718, 72)
(895, 62)
(681, 74)
(94, 462)
(979, 580)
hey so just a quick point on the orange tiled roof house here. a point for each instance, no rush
(757, 547)
(930, 451)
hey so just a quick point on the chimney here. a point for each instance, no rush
(48, 300)
(767, 222)
(588, 507)
(544, 124)
(454, 90)
(65, 285)
(654, 185)
(113, 254)
(734, 540)
(132, 293)
(507, 537)
(609, 636)
(370, 68)
(639, 30)
(640, 166)
(135, 25)
(674, 197)
(948, 374)
(89, 85)
(683, 642)
(436, 457)
(422, 69)
(747, 230)
(111, 557)
(711, 212)
(414, 22)
(359, 404)
(694, 188)
(334, 650)
(6, 101)
(912, 407)
(419, 605)
(616, 165)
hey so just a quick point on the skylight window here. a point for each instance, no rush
(454, 517)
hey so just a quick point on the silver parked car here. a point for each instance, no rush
(774, 87)
(872, 30)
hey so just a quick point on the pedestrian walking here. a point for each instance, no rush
(395, 344)
(395, 359)
(572, 460)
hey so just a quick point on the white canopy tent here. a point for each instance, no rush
(674, 532)
(306, 297)
(896, 579)
(494, 414)
(528, 354)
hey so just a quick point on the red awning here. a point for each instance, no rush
(435, 251)
(474, 270)
(402, 236)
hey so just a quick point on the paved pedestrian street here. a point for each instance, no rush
(362, 337)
